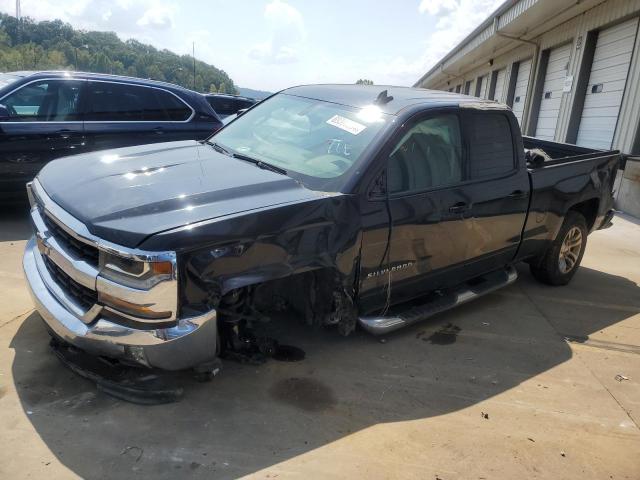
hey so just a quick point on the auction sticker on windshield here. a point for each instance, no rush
(345, 124)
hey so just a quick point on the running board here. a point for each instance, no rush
(379, 325)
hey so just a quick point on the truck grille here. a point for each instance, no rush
(81, 250)
(83, 295)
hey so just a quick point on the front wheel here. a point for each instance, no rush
(561, 260)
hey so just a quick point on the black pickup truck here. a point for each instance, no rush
(351, 205)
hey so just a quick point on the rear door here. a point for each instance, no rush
(45, 123)
(497, 189)
(557, 67)
(122, 114)
(428, 209)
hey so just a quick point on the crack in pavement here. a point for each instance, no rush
(16, 317)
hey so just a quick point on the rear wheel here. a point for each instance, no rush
(562, 259)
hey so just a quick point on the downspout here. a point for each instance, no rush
(532, 73)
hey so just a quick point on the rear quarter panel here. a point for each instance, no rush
(558, 188)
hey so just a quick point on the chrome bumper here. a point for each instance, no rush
(190, 343)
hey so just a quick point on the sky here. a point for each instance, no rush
(274, 44)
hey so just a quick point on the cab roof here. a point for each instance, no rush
(403, 97)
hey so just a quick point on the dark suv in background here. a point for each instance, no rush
(226, 105)
(46, 115)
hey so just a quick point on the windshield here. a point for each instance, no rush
(316, 139)
(6, 79)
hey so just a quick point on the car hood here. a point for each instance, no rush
(125, 195)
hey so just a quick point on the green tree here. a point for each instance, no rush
(27, 44)
(213, 88)
(364, 81)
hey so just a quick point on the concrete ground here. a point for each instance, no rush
(526, 389)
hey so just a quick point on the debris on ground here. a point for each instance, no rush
(563, 454)
(531, 439)
(133, 448)
(486, 324)
(136, 385)
(621, 378)
(485, 415)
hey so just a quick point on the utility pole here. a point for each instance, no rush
(18, 17)
(193, 51)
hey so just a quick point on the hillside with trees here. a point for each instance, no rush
(54, 45)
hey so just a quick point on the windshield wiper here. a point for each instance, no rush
(246, 158)
(259, 163)
(218, 148)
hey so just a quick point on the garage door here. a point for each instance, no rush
(481, 87)
(498, 93)
(470, 87)
(520, 93)
(605, 89)
(552, 92)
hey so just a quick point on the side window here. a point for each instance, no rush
(121, 102)
(491, 145)
(174, 108)
(45, 101)
(428, 155)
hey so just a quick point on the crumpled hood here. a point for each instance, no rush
(125, 195)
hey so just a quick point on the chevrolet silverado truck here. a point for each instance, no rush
(365, 206)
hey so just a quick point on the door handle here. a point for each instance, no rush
(459, 207)
(517, 194)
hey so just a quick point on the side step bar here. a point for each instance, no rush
(466, 292)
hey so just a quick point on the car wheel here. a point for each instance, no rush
(560, 262)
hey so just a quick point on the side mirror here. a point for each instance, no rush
(241, 111)
(4, 113)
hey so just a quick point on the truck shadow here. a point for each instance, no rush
(250, 418)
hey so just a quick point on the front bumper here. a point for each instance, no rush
(190, 343)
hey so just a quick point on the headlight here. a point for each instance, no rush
(138, 289)
(134, 273)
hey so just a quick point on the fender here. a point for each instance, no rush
(266, 244)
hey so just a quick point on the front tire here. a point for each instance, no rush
(560, 262)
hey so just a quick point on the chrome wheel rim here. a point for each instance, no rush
(570, 250)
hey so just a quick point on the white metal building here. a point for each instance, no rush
(569, 69)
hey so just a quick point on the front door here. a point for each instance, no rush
(44, 123)
(428, 211)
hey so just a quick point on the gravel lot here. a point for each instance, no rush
(526, 388)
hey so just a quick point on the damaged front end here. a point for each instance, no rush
(110, 301)
(189, 296)
(301, 257)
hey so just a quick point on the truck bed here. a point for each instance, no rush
(573, 176)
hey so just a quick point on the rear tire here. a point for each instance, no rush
(560, 262)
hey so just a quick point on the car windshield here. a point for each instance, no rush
(313, 138)
(7, 79)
